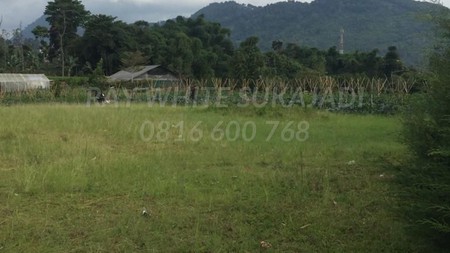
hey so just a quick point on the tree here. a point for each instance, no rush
(425, 178)
(248, 61)
(277, 45)
(18, 42)
(279, 65)
(202, 66)
(107, 39)
(41, 33)
(71, 63)
(64, 16)
(3, 53)
(133, 59)
(372, 63)
(311, 58)
(392, 63)
(180, 54)
(156, 46)
(334, 61)
(211, 47)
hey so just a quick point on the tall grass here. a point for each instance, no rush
(76, 178)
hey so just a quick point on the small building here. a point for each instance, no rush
(145, 73)
(22, 82)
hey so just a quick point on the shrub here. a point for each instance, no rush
(425, 178)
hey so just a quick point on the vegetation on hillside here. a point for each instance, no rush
(191, 47)
(368, 24)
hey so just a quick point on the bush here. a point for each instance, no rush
(425, 178)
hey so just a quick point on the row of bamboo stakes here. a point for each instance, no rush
(376, 86)
(372, 85)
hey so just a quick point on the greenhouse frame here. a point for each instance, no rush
(22, 82)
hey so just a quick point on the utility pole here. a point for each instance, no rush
(4, 35)
(61, 41)
(341, 42)
(21, 42)
(4, 41)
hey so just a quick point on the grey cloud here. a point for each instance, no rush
(23, 12)
(152, 12)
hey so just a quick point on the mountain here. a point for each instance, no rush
(367, 24)
(28, 30)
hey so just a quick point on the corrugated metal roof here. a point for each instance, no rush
(125, 75)
(121, 75)
(145, 70)
(151, 72)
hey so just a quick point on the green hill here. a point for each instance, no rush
(28, 30)
(368, 24)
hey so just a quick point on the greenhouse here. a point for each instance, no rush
(21, 82)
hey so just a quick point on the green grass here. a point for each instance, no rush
(75, 179)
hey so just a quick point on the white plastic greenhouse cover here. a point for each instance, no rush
(20, 82)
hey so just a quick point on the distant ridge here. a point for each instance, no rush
(368, 24)
(28, 30)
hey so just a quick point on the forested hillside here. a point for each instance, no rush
(262, 46)
(368, 24)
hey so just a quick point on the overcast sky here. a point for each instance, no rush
(16, 12)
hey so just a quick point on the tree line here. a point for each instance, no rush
(77, 41)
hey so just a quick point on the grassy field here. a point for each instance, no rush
(77, 179)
